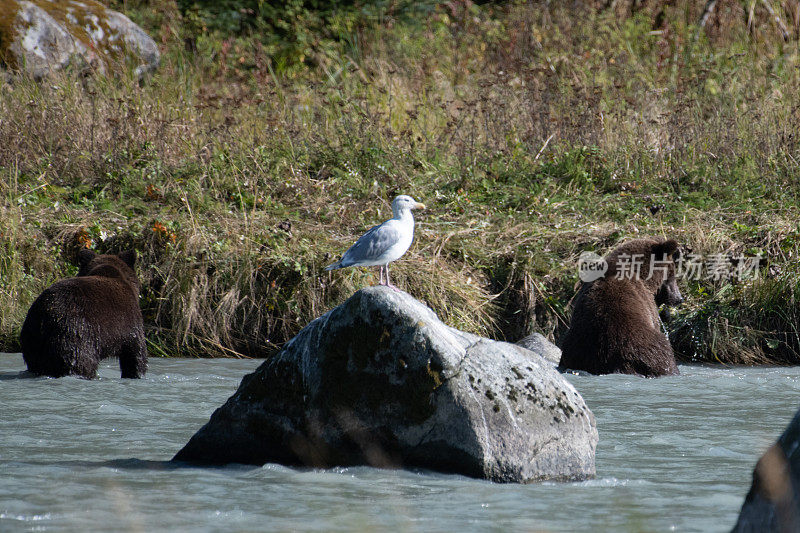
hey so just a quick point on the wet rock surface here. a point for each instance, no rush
(773, 503)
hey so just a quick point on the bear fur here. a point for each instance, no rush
(615, 326)
(78, 321)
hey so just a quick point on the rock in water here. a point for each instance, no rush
(41, 37)
(544, 348)
(773, 503)
(381, 381)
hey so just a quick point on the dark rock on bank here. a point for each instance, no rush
(773, 503)
(381, 381)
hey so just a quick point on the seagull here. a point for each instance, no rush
(385, 242)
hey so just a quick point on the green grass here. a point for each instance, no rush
(531, 132)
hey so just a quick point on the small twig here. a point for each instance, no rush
(43, 185)
(707, 11)
(777, 19)
(94, 114)
(231, 352)
(543, 147)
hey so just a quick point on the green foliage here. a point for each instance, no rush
(294, 33)
(750, 323)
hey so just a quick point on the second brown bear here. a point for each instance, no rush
(615, 327)
(78, 321)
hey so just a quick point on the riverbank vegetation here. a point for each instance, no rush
(271, 137)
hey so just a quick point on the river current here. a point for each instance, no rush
(675, 454)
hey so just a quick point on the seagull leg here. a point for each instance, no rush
(389, 283)
(381, 275)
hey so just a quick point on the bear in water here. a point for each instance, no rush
(78, 321)
(615, 326)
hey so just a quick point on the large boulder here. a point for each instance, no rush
(42, 36)
(381, 381)
(773, 503)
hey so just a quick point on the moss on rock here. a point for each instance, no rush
(40, 36)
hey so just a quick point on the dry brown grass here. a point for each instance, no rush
(533, 132)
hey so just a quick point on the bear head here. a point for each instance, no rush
(119, 266)
(652, 261)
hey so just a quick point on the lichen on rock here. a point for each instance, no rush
(381, 381)
(41, 36)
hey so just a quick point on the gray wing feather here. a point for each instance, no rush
(371, 245)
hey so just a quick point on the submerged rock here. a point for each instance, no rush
(381, 381)
(773, 503)
(42, 36)
(539, 344)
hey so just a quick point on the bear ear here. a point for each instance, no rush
(85, 257)
(667, 248)
(129, 257)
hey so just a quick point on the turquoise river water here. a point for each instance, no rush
(675, 454)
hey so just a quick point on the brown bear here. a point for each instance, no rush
(615, 327)
(78, 321)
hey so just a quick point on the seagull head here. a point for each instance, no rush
(403, 204)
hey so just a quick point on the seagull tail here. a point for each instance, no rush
(334, 266)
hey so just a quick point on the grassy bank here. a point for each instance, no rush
(532, 132)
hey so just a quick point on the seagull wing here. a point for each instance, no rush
(370, 246)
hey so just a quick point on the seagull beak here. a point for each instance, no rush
(419, 205)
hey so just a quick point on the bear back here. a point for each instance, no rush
(77, 322)
(615, 326)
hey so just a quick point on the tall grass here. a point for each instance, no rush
(533, 132)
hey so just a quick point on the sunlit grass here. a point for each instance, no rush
(531, 133)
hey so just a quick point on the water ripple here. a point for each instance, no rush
(674, 453)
